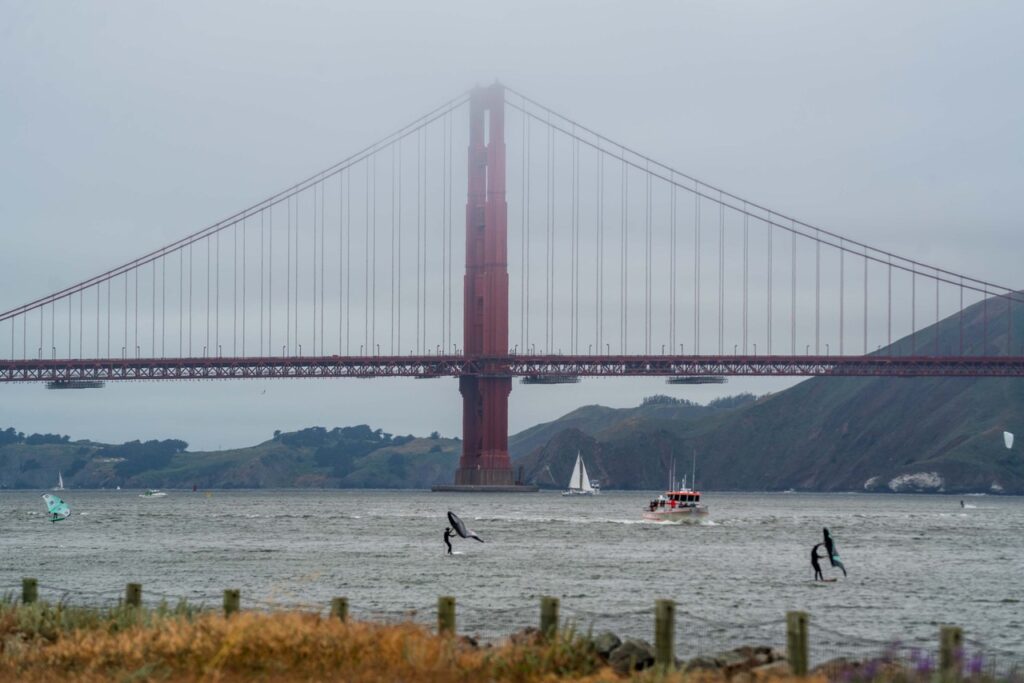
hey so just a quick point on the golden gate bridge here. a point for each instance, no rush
(582, 257)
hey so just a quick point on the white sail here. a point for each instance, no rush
(60, 482)
(584, 480)
(1008, 439)
(574, 480)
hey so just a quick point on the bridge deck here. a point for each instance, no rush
(507, 366)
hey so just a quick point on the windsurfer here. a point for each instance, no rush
(814, 563)
(448, 533)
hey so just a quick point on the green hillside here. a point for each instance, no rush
(347, 457)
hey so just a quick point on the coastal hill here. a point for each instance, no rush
(824, 434)
(346, 457)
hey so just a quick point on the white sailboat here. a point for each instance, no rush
(579, 482)
(60, 482)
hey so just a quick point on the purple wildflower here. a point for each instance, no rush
(976, 665)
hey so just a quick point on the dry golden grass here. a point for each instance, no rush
(39, 642)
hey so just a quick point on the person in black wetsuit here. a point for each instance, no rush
(448, 534)
(818, 576)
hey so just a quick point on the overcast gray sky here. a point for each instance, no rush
(127, 125)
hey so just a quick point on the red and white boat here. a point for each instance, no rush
(681, 505)
(678, 504)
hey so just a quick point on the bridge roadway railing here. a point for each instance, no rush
(528, 366)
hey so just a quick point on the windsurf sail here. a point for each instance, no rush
(460, 527)
(58, 509)
(1008, 439)
(833, 553)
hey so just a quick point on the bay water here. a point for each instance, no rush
(914, 562)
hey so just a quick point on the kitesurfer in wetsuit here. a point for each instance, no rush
(814, 563)
(448, 534)
(961, 503)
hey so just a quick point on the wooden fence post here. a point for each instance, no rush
(664, 634)
(232, 601)
(446, 614)
(796, 642)
(951, 640)
(29, 591)
(339, 608)
(133, 594)
(548, 616)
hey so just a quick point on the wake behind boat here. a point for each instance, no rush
(152, 493)
(579, 482)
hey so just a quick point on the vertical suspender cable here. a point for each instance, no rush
(984, 347)
(599, 294)
(771, 229)
(152, 309)
(444, 228)
(366, 264)
(913, 309)
(547, 240)
(721, 274)
(526, 232)
(394, 224)
(207, 347)
(270, 281)
(889, 314)
(288, 286)
(865, 301)
(961, 316)
(746, 275)
(245, 271)
(348, 263)
(316, 214)
(647, 260)
(626, 261)
(216, 296)
(696, 268)
(842, 298)
(419, 200)
(672, 265)
(573, 256)
(451, 205)
(341, 257)
(398, 295)
(234, 280)
(373, 269)
(263, 218)
(426, 194)
(817, 293)
(522, 233)
(792, 294)
(323, 274)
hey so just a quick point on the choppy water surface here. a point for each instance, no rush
(914, 561)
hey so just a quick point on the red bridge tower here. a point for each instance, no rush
(485, 463)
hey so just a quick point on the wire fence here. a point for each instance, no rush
(839, 655)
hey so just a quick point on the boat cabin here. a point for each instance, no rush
(673, 499)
